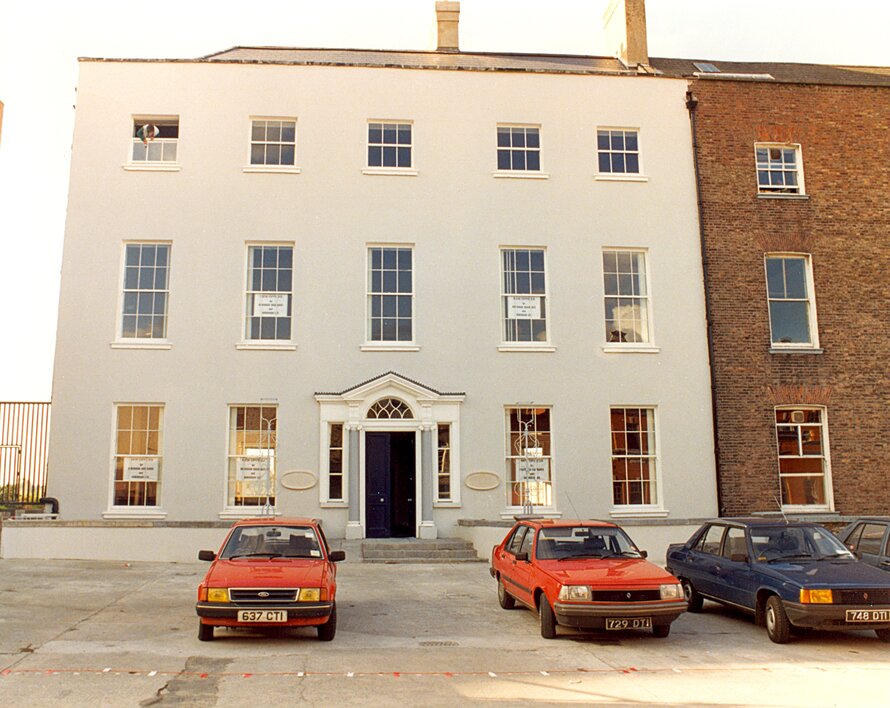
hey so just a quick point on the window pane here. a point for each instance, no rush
(789, 323)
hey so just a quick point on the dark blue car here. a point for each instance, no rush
(788, 574)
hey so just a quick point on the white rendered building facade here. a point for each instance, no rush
(392, 290)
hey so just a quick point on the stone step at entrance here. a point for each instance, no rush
(416, 550)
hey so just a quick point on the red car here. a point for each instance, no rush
(270, 573)
(584, 574)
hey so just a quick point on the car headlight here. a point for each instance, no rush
(217, 594)
(821, 596)
(578, 593)
(673, 591)
(309, 595)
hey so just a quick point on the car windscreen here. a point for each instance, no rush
(274, 541)
(562, 542)
(796, 542)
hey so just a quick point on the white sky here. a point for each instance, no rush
(39, 46)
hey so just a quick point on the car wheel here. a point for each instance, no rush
(883, 634)
(327, 630)
(693, 599)
(548, 621)
(661, 630)
(505, 599)
(777, 625)
(205, 632)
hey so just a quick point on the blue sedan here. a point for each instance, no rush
(788, 574)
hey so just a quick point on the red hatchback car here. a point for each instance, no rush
(270, 573)
(584, 574)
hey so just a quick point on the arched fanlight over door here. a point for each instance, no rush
(390, 409)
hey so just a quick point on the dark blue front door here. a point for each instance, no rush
(389, 485)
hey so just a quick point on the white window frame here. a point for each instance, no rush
(649, 344)
(326, 498)
(508, 345)
(281, 169)
(144, 511)
(387, 344)
(810, 300)
(511, 458)
(370, 169)
(520, 173)
(231, 510)
(267, 344)
(121, 342)
(154, 165)
(654, 509)
(639, 175)
(780, 192)
(828, 489)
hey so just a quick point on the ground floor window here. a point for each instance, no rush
(137, 461)
(529, 457)
(803, 456)
(443, 467)
(253, 436)
(633, 456)
(335, 463)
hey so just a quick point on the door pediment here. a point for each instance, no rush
(391, 385)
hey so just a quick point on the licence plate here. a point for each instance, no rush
(629, 623)
(868, 615)
(262, 616)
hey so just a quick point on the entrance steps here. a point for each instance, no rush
(417, 550)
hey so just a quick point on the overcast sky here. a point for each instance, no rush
(39, 47)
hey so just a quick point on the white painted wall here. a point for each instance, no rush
(456, 215)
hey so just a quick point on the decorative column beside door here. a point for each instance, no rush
(354, 528)
(427, 480)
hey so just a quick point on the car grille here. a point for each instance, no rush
(625, 595)
(263, 595)
(864, 597)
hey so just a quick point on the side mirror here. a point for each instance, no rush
(738, 557)
(522, 557)
(335, 556)
(206, 556)
(644, 554)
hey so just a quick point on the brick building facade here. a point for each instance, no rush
(794, 168)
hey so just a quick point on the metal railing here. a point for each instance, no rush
(24, 444)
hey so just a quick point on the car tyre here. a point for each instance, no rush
(505, 599)
(327, 630)
(778, 628)
(693, 599)
(661, 630)
(205, 632)
(883, 634)
(548, 620)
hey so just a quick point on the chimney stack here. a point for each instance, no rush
(625, 26)
(447, 18)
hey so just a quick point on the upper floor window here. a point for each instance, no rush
(273, 142)
(145, 292)
(633, 457)
(389, 144)
(618, 151)
(779, 169)
(138, 454)
(269, 296)
(803, 457)
(791, 306)
(524, 295)
(390, 294)
(155, 139)
(627, 296)
(519, 148)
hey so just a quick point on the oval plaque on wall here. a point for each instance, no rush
(482, 481)
(299, 480)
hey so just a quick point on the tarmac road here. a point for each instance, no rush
(88, 633)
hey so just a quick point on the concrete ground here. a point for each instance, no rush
(91, 633)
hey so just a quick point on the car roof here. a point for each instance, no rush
(558, 523)
(272, 521)
(755, 521)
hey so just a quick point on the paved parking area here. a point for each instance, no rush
(87, 633)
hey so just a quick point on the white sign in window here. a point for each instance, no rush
(141, 469)
(524, 308)
(270, 305)
(533, 469)
(252, 469)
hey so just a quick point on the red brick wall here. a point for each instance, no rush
(844, 133)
